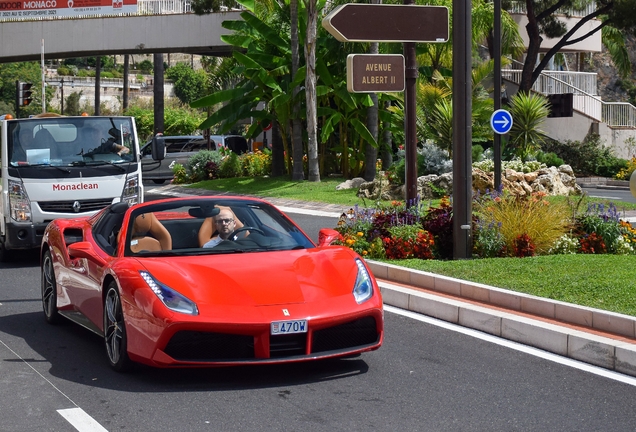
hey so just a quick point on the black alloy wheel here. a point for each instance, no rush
(115, 331)
(49, 290)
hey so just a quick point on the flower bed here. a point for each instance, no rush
(504, 225)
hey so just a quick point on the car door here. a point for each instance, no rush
(162, 170)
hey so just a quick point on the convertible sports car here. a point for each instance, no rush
(164, 286)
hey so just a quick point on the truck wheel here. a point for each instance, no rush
(4, 254)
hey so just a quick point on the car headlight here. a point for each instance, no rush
(171, 298)
(19, 203)
(130, 194)
(363, 289)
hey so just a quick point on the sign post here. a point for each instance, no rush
(407, 24)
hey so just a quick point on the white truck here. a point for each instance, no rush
(63, 167)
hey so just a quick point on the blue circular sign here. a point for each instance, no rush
(501, 121)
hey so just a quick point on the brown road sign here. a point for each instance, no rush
(375, 73)
(363, 22)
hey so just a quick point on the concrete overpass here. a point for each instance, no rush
(139, 34)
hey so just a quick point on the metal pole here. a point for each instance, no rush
(462, 131)
(17, 99)
(98, 72)
(496, 48)
(410, 147)
(62, 95)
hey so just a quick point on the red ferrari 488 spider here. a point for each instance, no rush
(208, 281)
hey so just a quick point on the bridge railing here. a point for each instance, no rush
(615, 114)
(161, 7)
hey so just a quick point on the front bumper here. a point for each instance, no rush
(24, 236)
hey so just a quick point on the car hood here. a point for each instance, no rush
(259, 279)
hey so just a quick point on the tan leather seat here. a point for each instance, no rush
(150, 234)
(207, 230)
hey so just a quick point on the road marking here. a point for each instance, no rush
(606, 197)
(626, 379)
(308, 212)
(86, 426)
(80, 420)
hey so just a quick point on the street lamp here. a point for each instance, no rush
(61, 85)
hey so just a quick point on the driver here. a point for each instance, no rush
(218, 228)
(104, 147)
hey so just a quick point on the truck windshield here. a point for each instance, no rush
(71, 141)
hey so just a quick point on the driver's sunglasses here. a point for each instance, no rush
(224, 221)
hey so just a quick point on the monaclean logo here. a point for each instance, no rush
(75, 186)
(40, 4)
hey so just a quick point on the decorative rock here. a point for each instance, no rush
(552, 181)
(381, 189)
(354, 183)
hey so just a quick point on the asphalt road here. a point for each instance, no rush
(425, 378)
(428, 376)
(619, 195)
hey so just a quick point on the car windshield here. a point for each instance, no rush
(206, 226)
(71, 141)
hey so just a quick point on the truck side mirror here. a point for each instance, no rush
(158, 148)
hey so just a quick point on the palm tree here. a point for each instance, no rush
(528, 110)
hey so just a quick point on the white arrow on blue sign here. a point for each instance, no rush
(501, 121)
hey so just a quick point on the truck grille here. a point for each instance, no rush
(67, 206)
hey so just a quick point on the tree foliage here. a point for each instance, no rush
(189, 85)
(544, 21)
(23, 72)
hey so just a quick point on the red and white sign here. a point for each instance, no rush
(29, 9)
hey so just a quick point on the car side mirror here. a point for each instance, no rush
(158, 148)
(326, 236)
(84, 250)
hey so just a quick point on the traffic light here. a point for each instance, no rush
(24, 94)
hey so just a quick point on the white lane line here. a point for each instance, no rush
(60, 392)
(626, 379)
(607, 197)
(81, 421)
(308, 212)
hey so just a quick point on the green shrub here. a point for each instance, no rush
(231, 166)
(549, 159)
(626, 173)
(180, 174)
(532, 218)
(477, 152)
(256, 164)
(198, 164)
(588, 157)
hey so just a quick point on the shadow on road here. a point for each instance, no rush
(78, 355)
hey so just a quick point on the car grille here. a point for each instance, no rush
(212, 347)
(67, 206)
(348, 335)
(204, 346)
(281, 346)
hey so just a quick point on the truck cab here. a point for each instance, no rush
(63, 167)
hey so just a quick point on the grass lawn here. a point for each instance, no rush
(601, 281)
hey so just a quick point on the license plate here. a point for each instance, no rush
(289, 327)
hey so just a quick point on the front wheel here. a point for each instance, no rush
(115, 331)
(49, 290)
(4, 254)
